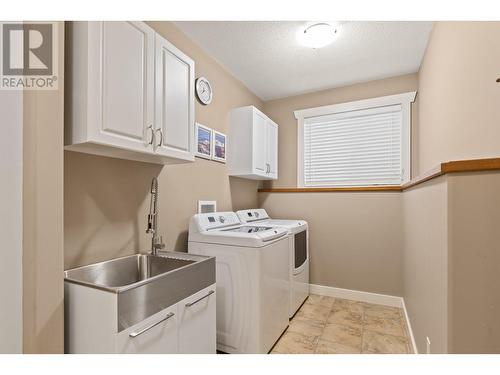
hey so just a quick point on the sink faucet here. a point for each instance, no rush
(156, 242)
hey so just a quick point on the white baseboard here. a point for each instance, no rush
(357, 295)
(410, 331)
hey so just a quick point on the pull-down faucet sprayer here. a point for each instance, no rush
(156, 241)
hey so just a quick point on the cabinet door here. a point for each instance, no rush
(174, 112)
(272, 149)
(197, 324)
(155, 335)
(259, 143)
(127, 84)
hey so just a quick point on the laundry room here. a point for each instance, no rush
(245, 185)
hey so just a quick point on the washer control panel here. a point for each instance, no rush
(214, 220)
(253, 215)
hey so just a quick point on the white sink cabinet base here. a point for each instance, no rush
(91, 325)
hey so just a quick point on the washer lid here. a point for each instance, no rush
(225, 228)
(259, 216)
(292, 226)
(242, 239)
(286, 223)
(247, 229)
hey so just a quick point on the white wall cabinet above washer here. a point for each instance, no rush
(126, 96)
(252, 145)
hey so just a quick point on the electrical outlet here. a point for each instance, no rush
(428, 345)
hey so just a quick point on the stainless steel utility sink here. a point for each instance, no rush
(145, 284)
(121, 272)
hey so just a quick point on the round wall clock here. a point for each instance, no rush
(203, 90)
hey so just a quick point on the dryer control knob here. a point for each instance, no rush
(222, 219)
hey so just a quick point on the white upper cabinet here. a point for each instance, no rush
(127, 67)
(252, 145)
(174, 101)
(125, 97)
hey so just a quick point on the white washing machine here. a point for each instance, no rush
(298, 235)
(252, 279)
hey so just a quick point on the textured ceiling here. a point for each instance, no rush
(267, 58)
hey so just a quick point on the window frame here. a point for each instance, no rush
(404, 99)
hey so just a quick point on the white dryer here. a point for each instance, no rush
(298, 263)
(252, 279)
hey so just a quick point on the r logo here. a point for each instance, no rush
(27, 49)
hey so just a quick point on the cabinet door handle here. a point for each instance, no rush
(161, 138)
(189, 304)
(152, 139)
(135, 334)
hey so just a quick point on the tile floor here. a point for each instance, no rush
(327, 325)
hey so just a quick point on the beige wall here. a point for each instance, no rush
(281, 111)
(459, 99)
(474, 240)
(451, 262)
(425, 262)
(43, 310)
(355, 238)
(11, 226)
(106, 200)
(450, 271)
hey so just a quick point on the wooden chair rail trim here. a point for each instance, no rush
(473, 165)
(429, 175)
(331, 189)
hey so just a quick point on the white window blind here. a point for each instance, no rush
(354, 148)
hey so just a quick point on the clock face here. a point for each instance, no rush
(203, 90)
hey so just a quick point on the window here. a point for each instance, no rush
(360, 143)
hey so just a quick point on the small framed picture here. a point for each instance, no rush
(219, 144)
(203, 141)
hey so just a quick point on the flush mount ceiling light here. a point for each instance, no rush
(318, 35)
